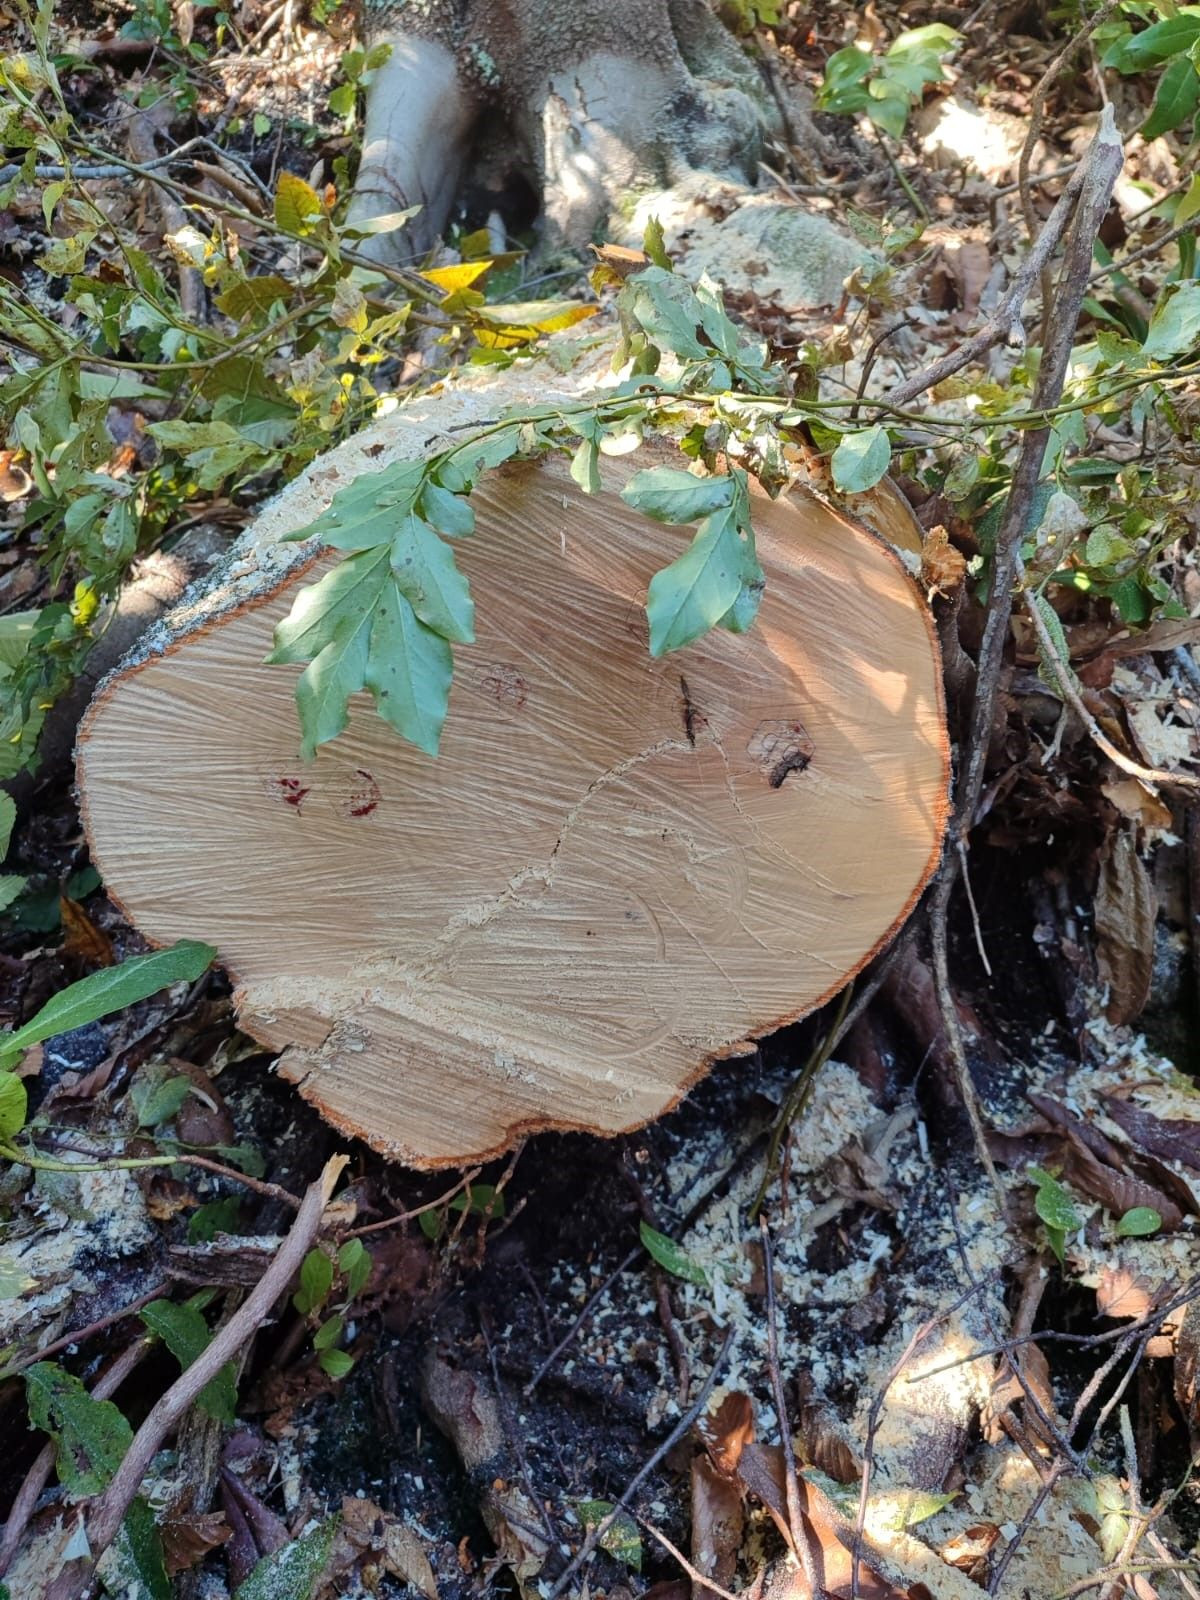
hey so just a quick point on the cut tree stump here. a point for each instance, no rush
(617, 871)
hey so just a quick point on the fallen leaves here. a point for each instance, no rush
(1125, 912)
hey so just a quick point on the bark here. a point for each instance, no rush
(596, 104)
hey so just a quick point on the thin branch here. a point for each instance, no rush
(796, 1528)
(1152, 777)
(25, 1503)
(679, 1431)
(108, 1511)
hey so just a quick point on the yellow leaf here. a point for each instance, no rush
(454, 278)
(1190, 204)
(505, 326)
(298, 206)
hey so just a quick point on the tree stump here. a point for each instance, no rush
(617, 871)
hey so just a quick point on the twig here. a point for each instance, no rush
(1150, 776)
(191, 282)
(108, 1511)
(464, 1182)
(1092, 186)
(78, 1335)
(796, 1528)
(1150, 249)
(1004, 323)
(23, 1507)
(1026, 1522)
(1037, 107)
(700, 1584)
(679, 1431)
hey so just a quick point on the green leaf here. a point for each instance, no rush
(691, 595)
(1175, 99)
(861, 459)
(336, 1363)
(316, 1280)
(1056, 1209)
(11, 886)
(90, 1436)
(111, 989)
(157, 1099)
(291, 1573)
(670, 1256)
(621, 1539)
(217, 1216)
(185, 1333)
(665, 306)
(450, 514)
(137, 1569)
(428, 577)
(8, 815)
(1139, 1223)
(481, 1199)
(585, 466)
(14, 1105)
(354, 1263)
(1175, 325)
(459, 470)
(1160, 42)
(654, 245)
(328, 1334)
(668, 495)
(366, 512)
(298, 207)
(409, 669)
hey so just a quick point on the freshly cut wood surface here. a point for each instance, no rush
(617, 869)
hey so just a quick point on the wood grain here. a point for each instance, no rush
(616, 871)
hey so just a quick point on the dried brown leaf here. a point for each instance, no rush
(718, 1521)
(1172, 1138)
(970, 1551)
(1187, 1366)
(84, 940)
(189, 1535)
(1125, 912)
(727, 1431)
(1118, 1191)
(1122, 1293)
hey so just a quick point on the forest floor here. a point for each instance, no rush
(983, 1398)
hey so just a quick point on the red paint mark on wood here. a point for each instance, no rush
(364, 795)
(288, 790)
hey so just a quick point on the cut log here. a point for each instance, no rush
(617, 870)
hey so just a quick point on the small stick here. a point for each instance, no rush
(796, 1527)
(80, 1334)
(108, 1511)
(699, 1582)
(678, 1432)
(23, 1507)
(1151, 776)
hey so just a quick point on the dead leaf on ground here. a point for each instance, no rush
(971, 1551)
(380, 1544)
(188, 1535)
(718, 1522)
(727, 1431)
(1122, 1292)
(84, 940)
(1118, 1191)
(823, 1438)
(1125, 913)
(1172, 1138)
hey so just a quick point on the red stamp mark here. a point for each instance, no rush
(505, 685)
(287, 790)
(363, 797)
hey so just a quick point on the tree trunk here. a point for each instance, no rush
(617, 870)
(609, 110)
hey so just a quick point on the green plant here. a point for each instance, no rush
(1056, 1209)
(1172, 43)
(476, 1200)
(93, 997)
(320, 1273)
(886, 87)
